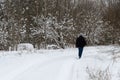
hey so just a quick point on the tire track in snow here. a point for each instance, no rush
(68, 70)
(75, 71)
(36, 69)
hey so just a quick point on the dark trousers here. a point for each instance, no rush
(80, 51)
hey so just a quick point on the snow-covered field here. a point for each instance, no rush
(61, 64)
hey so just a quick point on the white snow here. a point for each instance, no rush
(56, 64)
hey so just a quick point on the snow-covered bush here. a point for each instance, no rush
(98, 74)
(52, 47)
(25, 46)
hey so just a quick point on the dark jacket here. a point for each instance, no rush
(80, 41)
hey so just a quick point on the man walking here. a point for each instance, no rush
(80, 43)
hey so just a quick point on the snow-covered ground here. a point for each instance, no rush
(61, 64)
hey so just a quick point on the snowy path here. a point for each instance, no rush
(51, 65)
(54, 68)
(55, 64)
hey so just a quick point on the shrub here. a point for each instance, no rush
(25, 46)
(98, 74)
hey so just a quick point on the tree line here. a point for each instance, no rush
(45, 22)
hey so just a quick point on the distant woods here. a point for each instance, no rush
(46, 22)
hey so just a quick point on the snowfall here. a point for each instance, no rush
(60, 64)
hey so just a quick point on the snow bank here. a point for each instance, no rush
(53, 47)
(25, 46)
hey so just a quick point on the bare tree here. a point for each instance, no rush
(112, 17)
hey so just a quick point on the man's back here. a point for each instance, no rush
(80, 41)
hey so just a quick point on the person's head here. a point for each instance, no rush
(82, 34)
